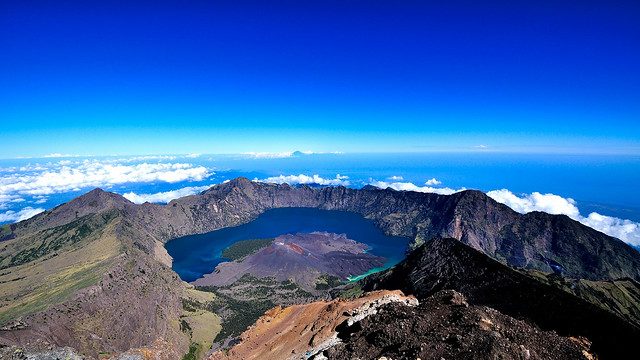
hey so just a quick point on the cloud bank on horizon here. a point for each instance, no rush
(36, 182)
(287, 154)
(33, 183)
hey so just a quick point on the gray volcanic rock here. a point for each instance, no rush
(447, 264)
(445, 326)
(301, 257)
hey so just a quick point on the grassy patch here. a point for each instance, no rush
(355, 291)
(5, 231)
(326, 282)
(240, 313)
(36, 285)
(51, 241)
(198, 321)
(244, 248)
(193, 352)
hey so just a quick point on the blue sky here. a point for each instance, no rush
(352, 76)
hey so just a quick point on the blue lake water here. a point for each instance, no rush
(196, 255)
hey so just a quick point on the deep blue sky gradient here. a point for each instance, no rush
(355, 76)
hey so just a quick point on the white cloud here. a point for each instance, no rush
(269, 155)
(59, 178)
(23, 214)
(164, 197)
(286, 154)
(59, 155)
(625, 230)
(481, 146)
(549, 203)
(432, 182)
(305, 179)
(395, 178)
(407, 186)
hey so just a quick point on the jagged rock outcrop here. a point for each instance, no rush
(300, 331)
(449, 264)
(389, 325)
(446, 326)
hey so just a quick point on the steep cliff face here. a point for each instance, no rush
(536, 240)
(449, 264)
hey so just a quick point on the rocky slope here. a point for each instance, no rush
(299, 331)
(445, 326)
(390, 325)
(449, 264)
(93, 273)
(74, 276)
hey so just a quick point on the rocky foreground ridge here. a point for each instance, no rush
(93, 273)
(389, 324)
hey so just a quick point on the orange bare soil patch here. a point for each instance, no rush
(296, 248)
(296, 330)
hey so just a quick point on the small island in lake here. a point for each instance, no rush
(305, 258)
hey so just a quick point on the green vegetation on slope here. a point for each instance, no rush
(45, 268)
(243, 315)
(5, 231)
(326, 282)
(199, 322)
(244, 248)
(50, 241)
(621, 297)
(192, 354)
(243, 302)
(351, 291)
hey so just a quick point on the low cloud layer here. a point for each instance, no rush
(306, 179)
(33, 182)
(625, 230)
(285, 154)
(96, 174)
(165, 196)
(549, 203)
(408, 186)
(23, 214)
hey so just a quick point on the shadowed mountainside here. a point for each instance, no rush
(448, 264)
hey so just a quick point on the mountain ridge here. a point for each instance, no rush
(533, 241)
